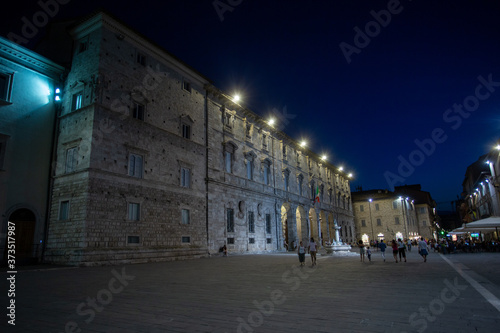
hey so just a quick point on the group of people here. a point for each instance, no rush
(398, 249)
(301, 250)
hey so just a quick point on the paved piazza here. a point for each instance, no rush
(263, 293)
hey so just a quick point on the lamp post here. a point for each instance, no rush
(371, 222)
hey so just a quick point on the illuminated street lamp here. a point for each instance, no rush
(236, 98)
(303, 143)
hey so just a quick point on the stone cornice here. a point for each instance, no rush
(29, 59)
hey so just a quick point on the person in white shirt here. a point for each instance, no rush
(422, 248)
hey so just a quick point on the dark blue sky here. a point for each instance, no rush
(365, 114)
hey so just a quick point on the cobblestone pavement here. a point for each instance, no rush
(263, 293)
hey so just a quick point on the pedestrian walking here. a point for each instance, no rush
(409, 245)
(302, 254)
(312, 251)
(422, 249)
(369, 253)
(401, 249)
(361, 250)
(382, 246)
(394, 250)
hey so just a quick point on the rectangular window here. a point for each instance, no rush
(230, 240)
(396, 220)
(269, 240)
(185, 177)
(363, 223)
(424, 223)
(135, 163)
(141, 59)
(186, 85)
(230, 220)
(185, 216)
(395, 205)
(422, 210)
(268, 223)
(361, 208)
(249, 170)
(267, 172)
(84, 45)
(186, 131)
(248, 129)
(64, 210)
(133, 240)
(186, 239)
(251, 240)
(5, 87)
(264, 141)
(379, 222)
(71, 159)
(228, 161)
(134, 211)
(284, 152)
(251, 222)
(377, 207)
(138, 112)
(76, 102)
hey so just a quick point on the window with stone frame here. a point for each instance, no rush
(251, 222)
(140, 58)
(284, 151)
(6, 80)
(185, 215)
(138, 111)
(286, 180)
(379, 222)
(83, 44)
(300, 181)
(298, 159)
(361, 208)
(249, 160)
(64, 210)
(395, 204)
(268, 223)
(229, 150)
(230, 220)
(396, 220)
(135, 165)
(186, 85)
(266, 168)
(330, 195)
(186, 126)
(71, 159)
(185, 177)
(134, 211)
(321, 192)
(76, 100)
(363, 223)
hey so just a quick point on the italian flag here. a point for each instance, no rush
(317, 194)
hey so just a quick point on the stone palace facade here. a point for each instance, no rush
(152, 162)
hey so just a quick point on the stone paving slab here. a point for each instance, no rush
(261, 293)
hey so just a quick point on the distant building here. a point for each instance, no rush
(151, 162)
(406, 213)
(480, 189)
(28, 114)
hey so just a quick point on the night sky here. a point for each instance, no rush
(370, 83)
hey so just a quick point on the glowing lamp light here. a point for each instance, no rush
(370, 200)
(236, 98)
(497, 147)
(303, 143)
(349, 175)
(323, 157)
(341, 168)
(57, 96)
(271, 121)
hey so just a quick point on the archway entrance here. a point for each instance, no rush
(25, 222)
(313, 221)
